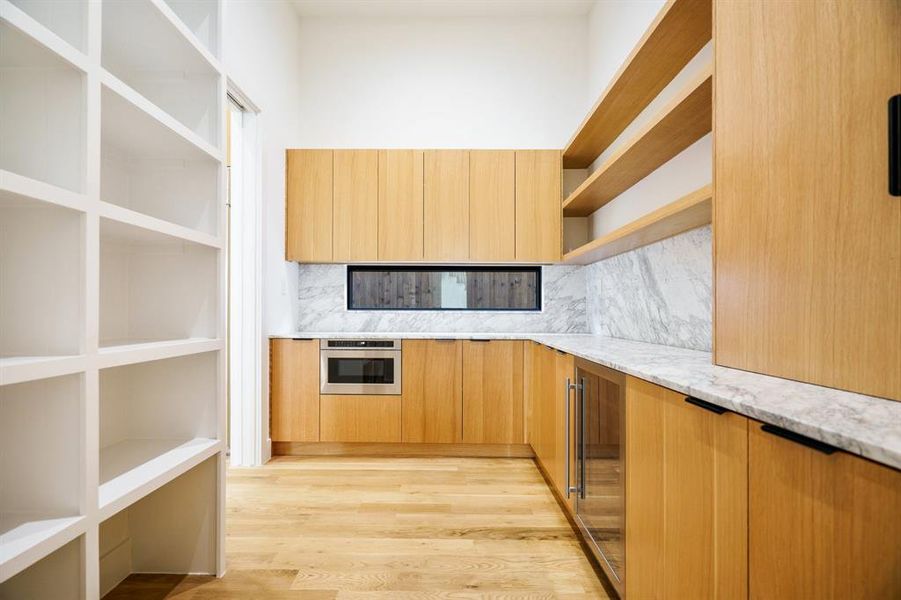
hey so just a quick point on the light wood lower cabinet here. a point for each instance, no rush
(686, 498)
(822, 526)
(432, 391)
(492, 392)
(359, 418)
(294, 391)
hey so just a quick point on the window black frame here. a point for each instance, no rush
(351, 269)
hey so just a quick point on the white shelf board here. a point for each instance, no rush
(182, 29)
(15, 187)
(133, 218)
(129, 353)
(132, 122)
(27, 538)
(22, 21)
(131, 469)
(18, 369)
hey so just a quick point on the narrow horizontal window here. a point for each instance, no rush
(379, 287)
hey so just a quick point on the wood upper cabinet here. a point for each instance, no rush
(294, 391)
(686, 498)
(492, 205)
(808, 239)
(492, 392)
(822, 526)
(356, 205)
(432, 391)
(308, 205)
(539, 223)
(446, 205)
(400, 205)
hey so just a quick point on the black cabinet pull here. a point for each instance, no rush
(894, 145)
(302, 339)
(706, 405)
(799, 439)
(479, 340)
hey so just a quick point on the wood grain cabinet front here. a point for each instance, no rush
(446, 205)
(308, 205)
(432, 391)
(808, 238)
(400, 219)
(686, 497)
(356, 205)
(294, 390)
(539, 216)
(824, 524)
(492, 392)
(360, 418)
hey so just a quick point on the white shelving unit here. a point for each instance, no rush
(112, 293)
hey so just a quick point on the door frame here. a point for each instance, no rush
(245, 341)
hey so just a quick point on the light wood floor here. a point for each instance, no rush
(392, 528)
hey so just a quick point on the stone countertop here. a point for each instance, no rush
(862, 425)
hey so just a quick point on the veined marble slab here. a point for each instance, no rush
(322, 304)
(659, 293)
(862, 425)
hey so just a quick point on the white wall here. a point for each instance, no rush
(615, 26)
(466, 82)
(261, 53)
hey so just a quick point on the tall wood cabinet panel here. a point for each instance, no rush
(400, 205)
(538, 206)
(356, 205)
(446, 205)
(360, 418)
(686, 497)
(308, 215)
(294, 390)
(432, 391)
(492, 392)
(492, 205)
(564, 371)
(808, 239)
(822, 526)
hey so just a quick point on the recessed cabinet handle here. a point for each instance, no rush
(799, 439)
(894, 145)
(706, 405)
(479, 340)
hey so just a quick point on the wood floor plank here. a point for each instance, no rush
(349, 528)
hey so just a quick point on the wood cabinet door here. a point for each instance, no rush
(686, 497)
(345, 418)
(432, 391)
(446, 205)
(564, 371)
(308, 205)
(539, 211)
(400, 205)
(492, 205)
(808, 239)
(356, 205)
(294, 391)
(492, 392)
(822, 526)
(543, 398)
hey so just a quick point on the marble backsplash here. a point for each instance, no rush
(322, 306)
(661, 293)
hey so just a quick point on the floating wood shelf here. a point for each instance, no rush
(685, 120)
(681, 29)
(688, 212)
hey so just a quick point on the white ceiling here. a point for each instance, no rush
(441, 8)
